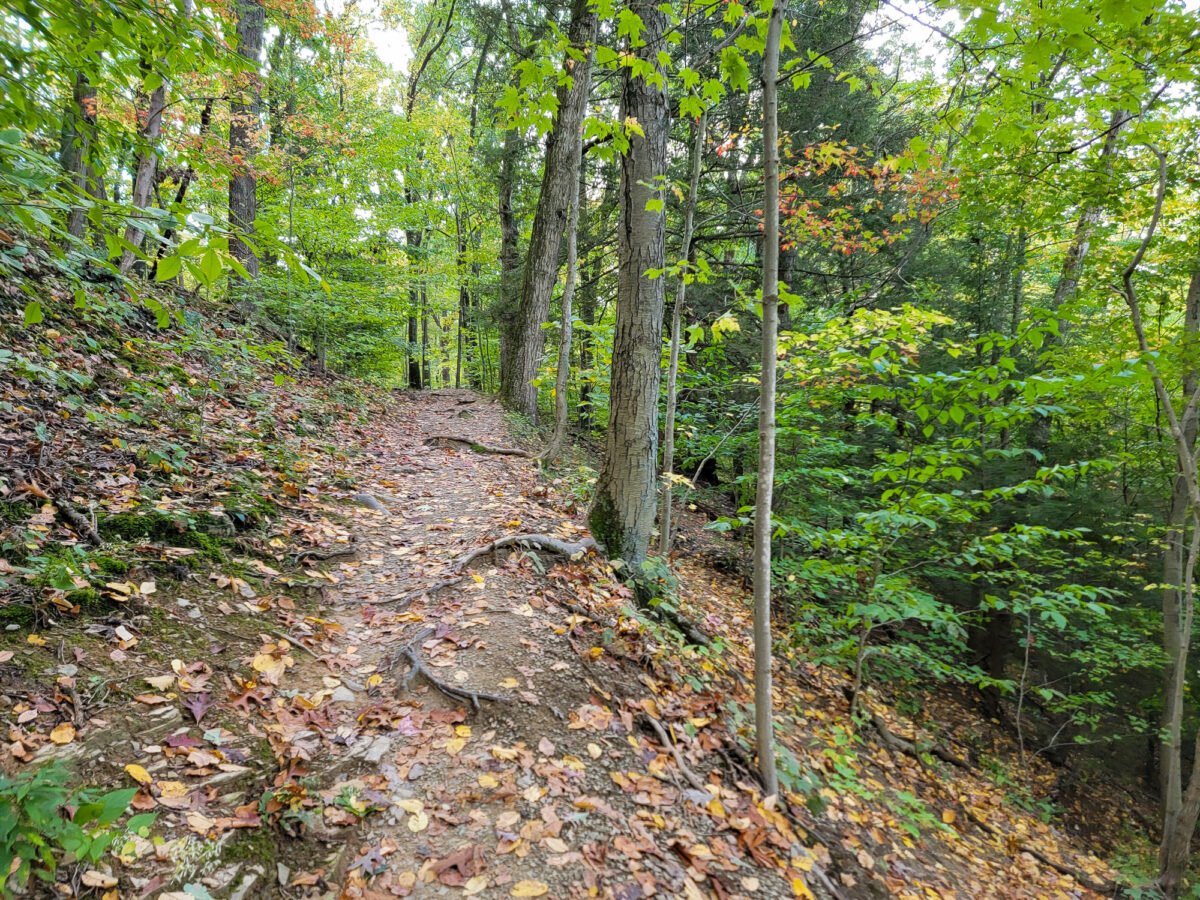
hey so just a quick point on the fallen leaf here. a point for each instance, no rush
(529, 888)
(63, 734)
(138, 773)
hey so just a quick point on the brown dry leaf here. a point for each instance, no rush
(97, 879)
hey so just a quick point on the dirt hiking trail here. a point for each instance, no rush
(561, 786)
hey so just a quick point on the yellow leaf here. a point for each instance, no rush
(37, 640)
(375, 680)
(418, 822)
(475, 885)
(138, 773)
(529, 888)
(948, 816)
(488, 781)
(510, 683)
(463, 731)
(455, 745)
(63, 734)
(410, 806)
(800, 889)
(504, 753)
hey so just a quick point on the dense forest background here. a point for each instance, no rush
(974, 227)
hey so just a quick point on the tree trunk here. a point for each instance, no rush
(685, 250)
(563, 374)
(506, 306)
(622, 514)
(763, 722)
(587, 315)
(147, 166)
(526, 344)
(79, 130)
(1180, 808)
(243, 135)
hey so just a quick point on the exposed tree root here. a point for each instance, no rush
(79, 522)
(440, 440)
(410, 596)
(1083, 878)
(681, 623)
(538, 541)
(893, 741)
(371, 502)
(317, 555)
(416, 666)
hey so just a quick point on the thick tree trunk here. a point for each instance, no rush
(243, 135)
(763, 720)
(144, 172)
(622, 514)
(685, 250)
(525, 344)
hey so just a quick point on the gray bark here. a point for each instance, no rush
(144, 172)
(1181, 807)
(243, 128)
(79, 130)
(563, 373)
(685, 250)
(525, 345)
(622, 514)
(763, 721)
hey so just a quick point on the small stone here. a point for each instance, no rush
(69, 670)
(342, 695)
(283, 874)
(12, 627)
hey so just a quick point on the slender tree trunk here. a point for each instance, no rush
(506, 307)
(79, 130)
(622, 514)
(243, 135)
(763, 721)
(587, 315)
(1077, 252)
(1180, 807)
(685, 250)
(526, 344)
(147, 167)
(566, 322)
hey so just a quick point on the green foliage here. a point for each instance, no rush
(44, 824)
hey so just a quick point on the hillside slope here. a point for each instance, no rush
(241, 589)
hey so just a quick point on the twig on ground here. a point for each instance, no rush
(539, 541)
(669, 745)
(411, 651)
(79, 522)
(410, 596)
(476, 446)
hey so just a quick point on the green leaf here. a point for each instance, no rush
(33, 313)
(168, 268)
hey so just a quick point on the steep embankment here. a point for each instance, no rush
(250, 600)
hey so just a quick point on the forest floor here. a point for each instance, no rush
(323, 701)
